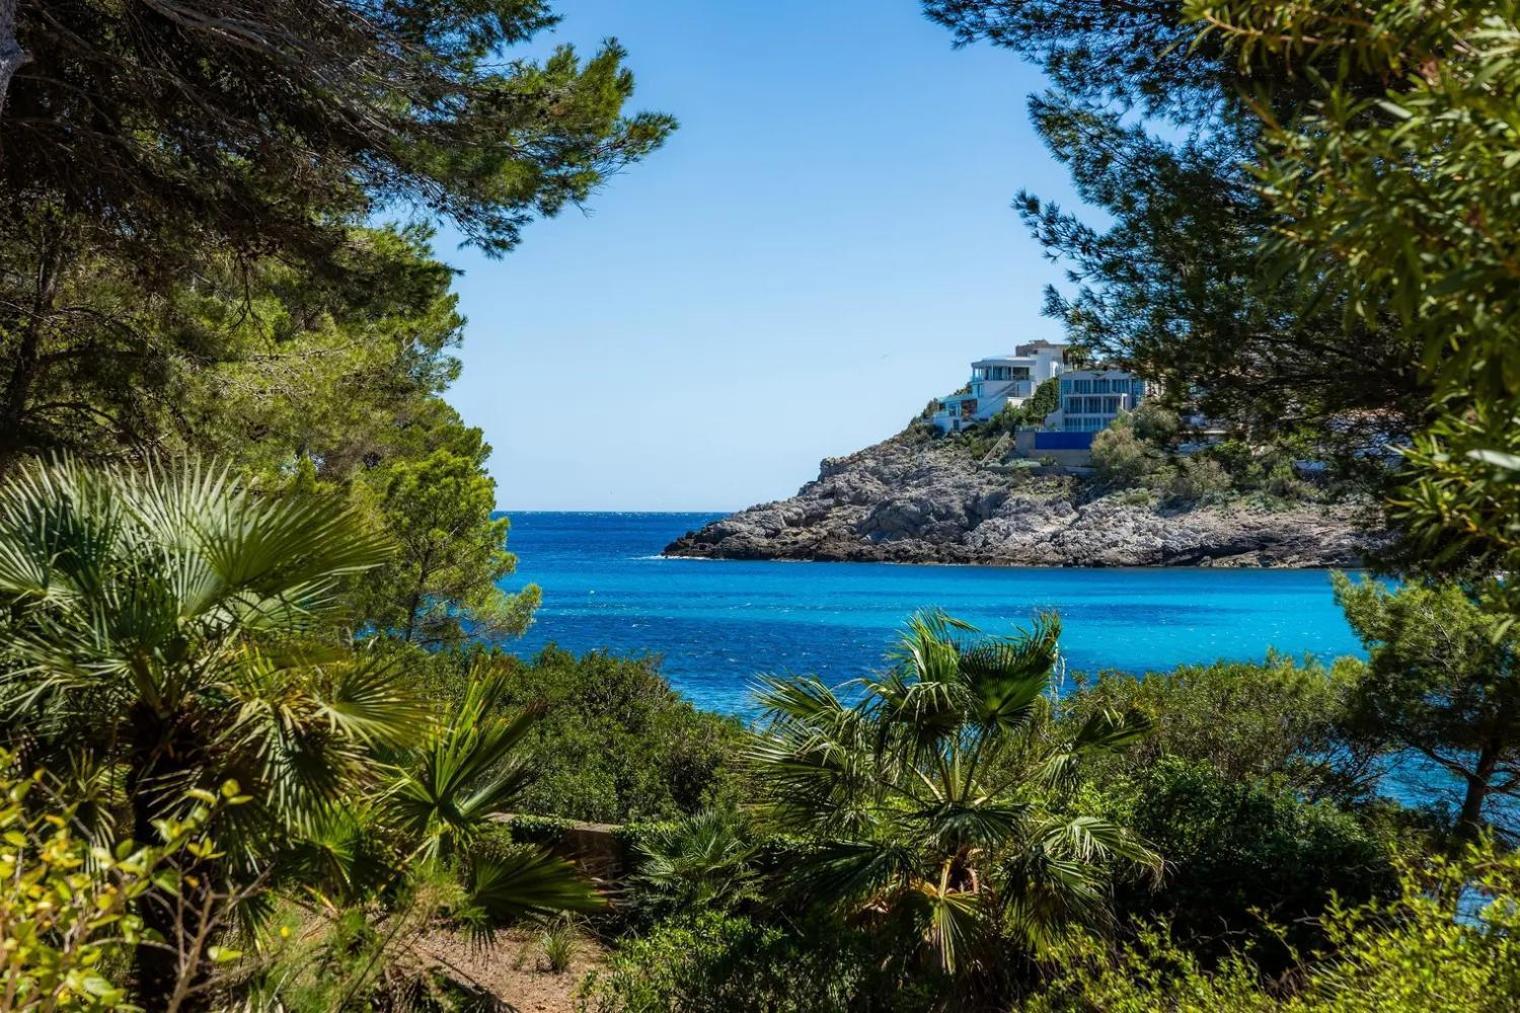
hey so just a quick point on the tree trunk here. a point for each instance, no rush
(155, 970)
(12, 56)
(1470, 823)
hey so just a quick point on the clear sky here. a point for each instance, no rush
(823, 246)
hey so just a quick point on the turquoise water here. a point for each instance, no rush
(716, 623)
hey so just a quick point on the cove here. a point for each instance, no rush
(717, 623)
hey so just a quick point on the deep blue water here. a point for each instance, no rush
(717, 623)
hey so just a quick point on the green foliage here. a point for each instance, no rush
(1242, 850)
(69, 907)
(980, 438)
(1156, 424)
(941, 805)
(723, 961)
(1410, 955)
(1443, 683)
(1150, 973)
(142, 610)
(1154, 120)
(142, 187)
(1393, 199)
(466, 768)
(557, 944)
(411, 105)
(1121, 459)
(704, 862)
(614, 743)
(1140, 451)
(325, 383)
(173, 631)
(440, 585)
(1045, 399)
(1278, 719)
(1198, 478)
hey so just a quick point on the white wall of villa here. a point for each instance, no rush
(1092, 398)
(999, 381)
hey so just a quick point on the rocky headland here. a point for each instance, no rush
(917, 499)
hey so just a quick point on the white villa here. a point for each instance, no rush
(1000, 381)
(1093, 398)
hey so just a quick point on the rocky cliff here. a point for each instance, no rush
(914, 499)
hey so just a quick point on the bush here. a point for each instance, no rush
(616, 743)
(1198, 478)
(1121, 459)
(1414, 954)
(1155, 424)
(717, 961)
(704, 862)
(1239, 851)
(1276, 717)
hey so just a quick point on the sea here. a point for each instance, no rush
(717, 624)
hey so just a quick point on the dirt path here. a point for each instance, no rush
(514, 969)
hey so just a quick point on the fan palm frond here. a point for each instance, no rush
(838, 872)
(933, 796)
(953, 919)
(530, 880)
(700, 862)
(464, 772)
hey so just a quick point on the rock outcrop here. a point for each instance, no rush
(914, 499)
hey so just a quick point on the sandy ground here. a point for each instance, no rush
(513, 968)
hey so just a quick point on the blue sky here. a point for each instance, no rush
(820, 249)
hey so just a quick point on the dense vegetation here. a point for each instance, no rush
(259, 741)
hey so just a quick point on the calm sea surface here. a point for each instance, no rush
(717, 623)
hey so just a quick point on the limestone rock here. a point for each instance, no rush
(913, 499)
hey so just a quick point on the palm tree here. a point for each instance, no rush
(942, 800)
(150, 623)
(166, 632)
(702, 862)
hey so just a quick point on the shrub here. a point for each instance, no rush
(1198, 478)
(1241, 850)
(700, 863)
(717, 961)
(557, 945)
(1156, 424)
(615, 742)
(69, 910)
(1276, 717)
(1120, 458)
(1414, 954)
(1150, 974)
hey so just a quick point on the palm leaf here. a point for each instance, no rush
(953, 920)
(529, 880)
(465, 771)
(849, 872)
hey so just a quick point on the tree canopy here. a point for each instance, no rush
(266, 124)
(1156, 122)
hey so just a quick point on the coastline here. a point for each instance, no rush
(921, 501)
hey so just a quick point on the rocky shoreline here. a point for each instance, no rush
(913, 499)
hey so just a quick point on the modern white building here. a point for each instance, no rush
(1000, 381)
(1092, 398)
